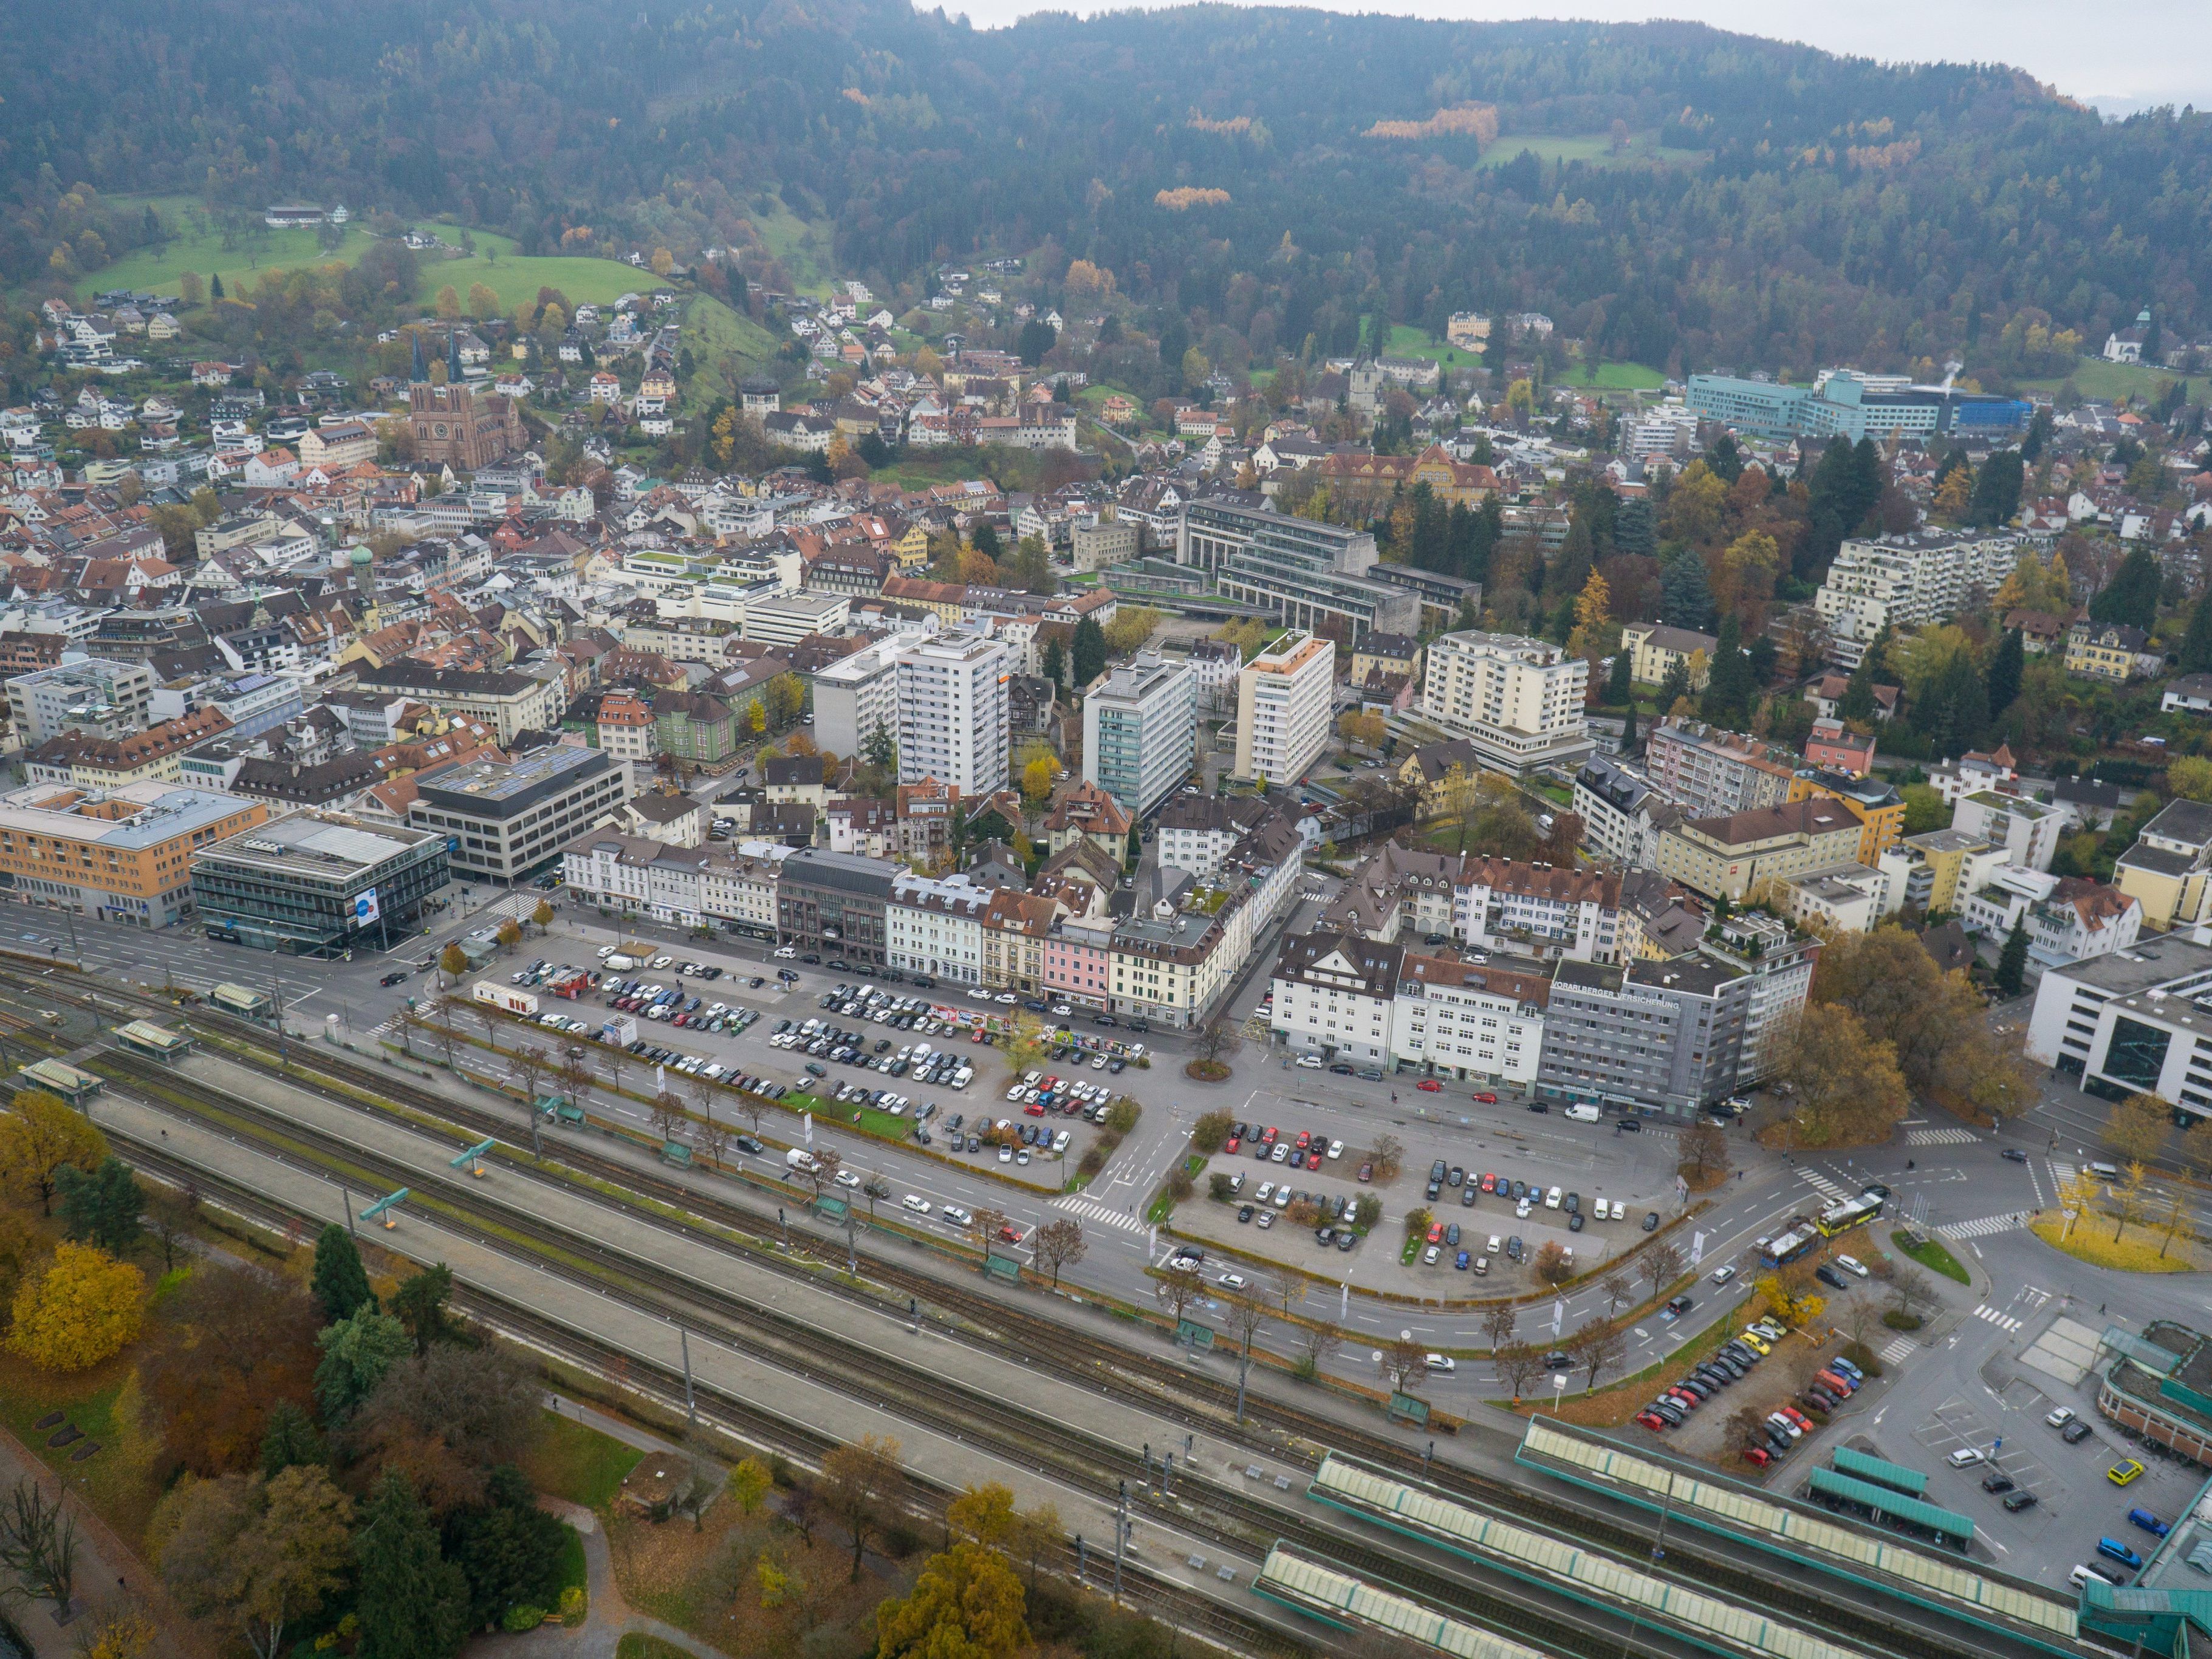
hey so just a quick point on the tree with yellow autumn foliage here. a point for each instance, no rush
(966, 1603)
(82, 1308)
(1596, 632)
(40, 1135)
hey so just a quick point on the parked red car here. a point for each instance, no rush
(1486, 1097)
(1429, 1085)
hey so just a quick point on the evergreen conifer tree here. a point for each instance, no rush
(413, 1604)
(2196, 644)
(340, 1283)
(2012, 965)
(2005, 668)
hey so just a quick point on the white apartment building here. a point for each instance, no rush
(953, 719)
(1518, 701)
(2027, 829)
(1197, 832)
(1620, 812)
(1462, 1020)
(2138, 1021)
(787, 618)
(1537, 910)
(857, 695)
(1334, 995)
(1283, 698)
(2068, 918)
(935, 926)
(1381, 1005)
(739, 889)
(1922, 576)
(1141, 730)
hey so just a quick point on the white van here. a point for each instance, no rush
(1583, 1112)
(2081, 1576)
(2104, 1172)
(801, 1161)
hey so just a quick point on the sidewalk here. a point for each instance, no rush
(611, 1618)
(106, 1567)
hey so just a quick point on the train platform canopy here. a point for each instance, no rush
(240, 999)
(1885, 1500)
(1581, 1572)
(1336, 1598)
(2020, 1615)
(66, 1080)
(1862, 1466)
(158, 1040)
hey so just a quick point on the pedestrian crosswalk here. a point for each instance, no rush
(1829, 1186)
(1898, 1349)
(2002, 1321)
(1939, 1137)
(1987, 1225)
(1092, 1210)
(2063, 1172)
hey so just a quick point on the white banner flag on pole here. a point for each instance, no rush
(1697, 1248)
(1559, 1316)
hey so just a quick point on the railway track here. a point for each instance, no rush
(1192, 1399)
(1143, 1588)
(1218, 1517)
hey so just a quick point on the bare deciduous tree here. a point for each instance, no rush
(1403, 1364)
(1058, 1245)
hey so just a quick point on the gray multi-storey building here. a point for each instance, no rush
(1709, 773)
(500, 819)
(317, 884)
(1302, 570)
(835, 903)
(1141, 730)
(95, 695)
(1674, 1035)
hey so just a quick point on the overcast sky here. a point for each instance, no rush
(2150, 51)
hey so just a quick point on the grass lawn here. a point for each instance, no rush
(1616, 376)
(156, 270)
(515, 279)
(578, 1463)
(719, 336)
(2137, 1250)
(802, 247)
(572, 1568)
(197, 246)
(1933, 1256)
(1595, 148)
(2093, 377)
(638, 1645)
(1407, 341)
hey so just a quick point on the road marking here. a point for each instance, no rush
(2010, 1221)
(1827, 1186)
(1093, 1210)
(1942, 1137)
(2003, 1321)
(1898, 1349)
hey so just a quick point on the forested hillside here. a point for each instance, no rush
(1744, 202)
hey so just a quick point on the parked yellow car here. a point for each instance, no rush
(2123, 1472)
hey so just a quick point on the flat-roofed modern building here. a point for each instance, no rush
(95, 695)
(317, 884)
(836, 903)
(2138, 1021)
(1284, 697)
(1141, 730)
(1518, 701)
(503, 818)
(857, 696)
(953, 714)
(124, 855)
(1302, 570)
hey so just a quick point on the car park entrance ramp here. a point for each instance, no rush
(2019, 1614)
(1578, 1571)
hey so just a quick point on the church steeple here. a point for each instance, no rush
(422, 368)
(453, 357)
